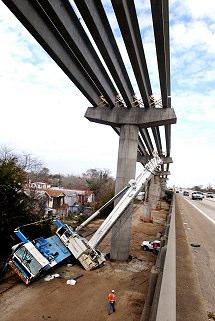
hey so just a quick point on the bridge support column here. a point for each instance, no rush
(126, 169)
(146, 206)
(163, 186)
(154, 191)
(153, 195)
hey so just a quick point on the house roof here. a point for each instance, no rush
(54, 193)
(68, 192)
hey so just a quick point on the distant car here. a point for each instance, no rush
(209, 195)
(186, 193)
(177, 191)
(197, 196)
(151, 245)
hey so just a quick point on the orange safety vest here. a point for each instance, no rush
(111, 297)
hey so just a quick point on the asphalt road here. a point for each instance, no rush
(199, 222)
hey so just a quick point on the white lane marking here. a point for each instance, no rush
(203, 213)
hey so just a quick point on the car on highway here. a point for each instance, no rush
(209, 195)
(151, 245)
(186, 193)
(197, 196)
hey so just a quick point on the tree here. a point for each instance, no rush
(101, 184)
(209, 188)
(16, 206)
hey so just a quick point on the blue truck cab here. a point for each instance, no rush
(30, 259)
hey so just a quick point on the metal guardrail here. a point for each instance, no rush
(160, 304)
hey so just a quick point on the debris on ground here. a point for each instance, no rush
(51, 277)
(71, 282)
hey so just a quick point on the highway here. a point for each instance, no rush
(199, 223)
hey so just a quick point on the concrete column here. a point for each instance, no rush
(146, 206)
(154, 191)
(163, 187)
(126, 169)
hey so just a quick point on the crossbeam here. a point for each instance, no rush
(140, 117)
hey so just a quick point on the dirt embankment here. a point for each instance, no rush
(87, 300)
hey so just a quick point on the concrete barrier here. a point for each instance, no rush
(166, 309)
(160, 304)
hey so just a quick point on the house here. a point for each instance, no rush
(70, 198)
(83, 196)
(55, 201)
(40, 185)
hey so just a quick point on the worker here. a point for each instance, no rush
(111, 302)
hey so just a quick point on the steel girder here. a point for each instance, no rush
(32, 16)
(97, 22)
(160, 16)
(68, 25)
(127, 19)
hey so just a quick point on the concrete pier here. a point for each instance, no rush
(126, 169)
(154, 191)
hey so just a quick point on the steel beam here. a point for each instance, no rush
(160, 16)
(42, 29)
(31, 15)
(127, 19)
(168, 139)
(156, 133)
(62, 15)
(161, 43)
(147, 140)
(97, 22)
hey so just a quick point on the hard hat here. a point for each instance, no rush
(112, 291)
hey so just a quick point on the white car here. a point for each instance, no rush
(151, 245)
(197, 196)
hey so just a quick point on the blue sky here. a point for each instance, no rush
(42, 112)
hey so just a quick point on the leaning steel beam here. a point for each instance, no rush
(147, 140)
(167, 51)
(168, 139)
(97, 22)
(34, 18)
(156, 133)
(160, 16)
(67, 23)
(157, 8)
(127, 19)
(36, 22)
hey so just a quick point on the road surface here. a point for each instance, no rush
(199, 222)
